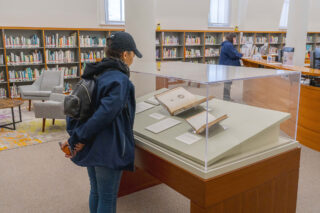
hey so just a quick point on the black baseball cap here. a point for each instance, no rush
(123, 41)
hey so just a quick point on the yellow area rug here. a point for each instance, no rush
(10, 139)
(30, 133)
(35, 127)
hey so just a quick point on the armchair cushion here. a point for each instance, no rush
(49, 109)
(54, 108)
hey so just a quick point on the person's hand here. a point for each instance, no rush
(64, 146)
(79, 147)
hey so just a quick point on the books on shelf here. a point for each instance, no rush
(199, 121)
(22, 41)
(261, 40)
(1, 60)
(92, 41)
(158, 53)
(170, 53)
(248, 50)
(22, 58)
(212, 52)
(194, 61)
(92, 56)
(274, 39)
(3, 93)
(273, 50)
(171, 40)
(193, 40)
(246, 39)
(211, 61)
(2, 79)
(14, 91)
(178, 100)
(191, 53)
(25, 75)
(60, 56)
(57, 40)
(157, 41)
(210, 39)
(67, 87)
(69, 72)
(309, 39)
(284, 40)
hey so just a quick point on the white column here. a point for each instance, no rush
(141, 24)
(297, 29)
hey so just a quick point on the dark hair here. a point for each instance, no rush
(112, 53)
(230, 37)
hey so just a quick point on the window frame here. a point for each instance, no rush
(219, 25)
(106, 15)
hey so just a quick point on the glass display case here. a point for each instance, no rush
(211, 119)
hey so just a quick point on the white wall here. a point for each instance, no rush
(182, 14)
(50, 13)
(260, 14)
(172, 14)
(314, 16)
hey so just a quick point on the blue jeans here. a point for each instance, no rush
(104, 184)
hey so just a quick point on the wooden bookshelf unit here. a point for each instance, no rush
(88, 45)
(27, 51)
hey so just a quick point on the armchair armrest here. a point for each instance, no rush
(57, 89)
(57, 97)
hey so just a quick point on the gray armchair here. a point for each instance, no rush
(51, 109)
(49, 81)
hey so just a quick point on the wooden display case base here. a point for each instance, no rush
(267, 186)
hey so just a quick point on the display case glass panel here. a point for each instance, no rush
(206, 116)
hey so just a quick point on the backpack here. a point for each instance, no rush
(78, 105)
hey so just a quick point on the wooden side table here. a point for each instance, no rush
(11, 103)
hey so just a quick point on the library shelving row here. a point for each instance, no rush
(313, 41)
(205, 46)
(26, 52)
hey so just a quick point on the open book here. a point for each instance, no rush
(178, 100)
(198, 121)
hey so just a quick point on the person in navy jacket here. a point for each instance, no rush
(229, 56)
(105, 142)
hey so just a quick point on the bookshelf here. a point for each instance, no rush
(27, 52)
(205, 46)
(313, 41)
(159, 46)
(3, 73)
(173, 45)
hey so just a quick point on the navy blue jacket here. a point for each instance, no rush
(229, 55)
(108, 133)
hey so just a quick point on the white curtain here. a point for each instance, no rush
(219, 12)
(114, 10)
(284, 14)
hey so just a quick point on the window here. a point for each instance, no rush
(114, 11)
(219, 13)
(284, 15)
